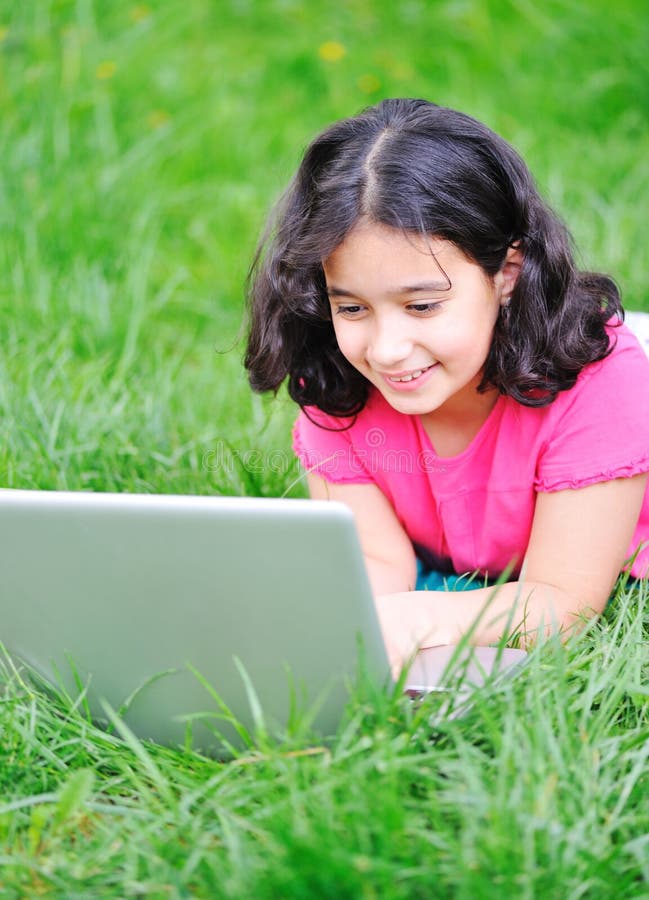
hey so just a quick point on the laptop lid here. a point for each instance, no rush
(129, 587)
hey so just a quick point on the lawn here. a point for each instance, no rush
(141, 146)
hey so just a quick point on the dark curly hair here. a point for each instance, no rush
(421, 168)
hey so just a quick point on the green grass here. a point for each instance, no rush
(140, 149)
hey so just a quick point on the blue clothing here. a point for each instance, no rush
(432, 580)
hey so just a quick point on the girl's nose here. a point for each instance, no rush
(389, 346)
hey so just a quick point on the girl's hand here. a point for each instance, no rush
(411, 621)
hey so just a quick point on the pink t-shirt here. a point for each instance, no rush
(474, 511)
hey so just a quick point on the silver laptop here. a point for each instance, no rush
(181, 610)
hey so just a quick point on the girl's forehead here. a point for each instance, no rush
(382, 247)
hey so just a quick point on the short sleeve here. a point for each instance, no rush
(600, 427)
(324, 445)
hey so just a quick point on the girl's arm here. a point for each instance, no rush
(577, 547)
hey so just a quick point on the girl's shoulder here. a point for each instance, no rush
(377, 413)
(607, 391)
(355, 447)
(598, 429)
(624, 372)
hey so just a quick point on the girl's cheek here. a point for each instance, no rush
(348, 342)
(345, 350)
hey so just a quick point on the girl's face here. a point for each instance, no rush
(416, 317)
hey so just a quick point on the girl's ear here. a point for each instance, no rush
(510, 271)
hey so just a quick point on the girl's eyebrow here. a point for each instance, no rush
(423, 286)
(406, 289)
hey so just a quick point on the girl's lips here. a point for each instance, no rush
(411, 385)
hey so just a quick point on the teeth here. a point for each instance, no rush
(412, 375)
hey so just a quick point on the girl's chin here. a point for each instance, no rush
(409, 404)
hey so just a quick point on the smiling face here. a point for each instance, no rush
(416, 317)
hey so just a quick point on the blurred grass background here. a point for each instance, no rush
(141, 146)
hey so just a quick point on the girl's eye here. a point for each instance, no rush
(351, 310)
(424, 308)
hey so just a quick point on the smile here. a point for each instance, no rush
(409, 382)
(411, 375)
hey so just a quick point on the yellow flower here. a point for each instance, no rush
(331, 51)
(368, 83)
(157, 118)
(403, 70)
(105, 69)
(139, 13)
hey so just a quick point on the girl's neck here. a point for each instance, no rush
(452, 427)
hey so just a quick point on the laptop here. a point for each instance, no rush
(179, 610)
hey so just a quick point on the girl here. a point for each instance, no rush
(472, 396)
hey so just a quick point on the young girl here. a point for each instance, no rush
(472, 396)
